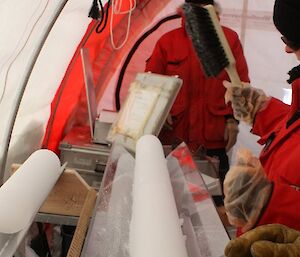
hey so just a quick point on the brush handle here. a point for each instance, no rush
(233, 75)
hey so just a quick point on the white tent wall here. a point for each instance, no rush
(22, 25)
(22, 22)
(267, 61)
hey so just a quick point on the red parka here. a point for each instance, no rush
(279, 128)
(199, 111)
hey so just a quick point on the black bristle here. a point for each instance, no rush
(94, 11)
(205, 39)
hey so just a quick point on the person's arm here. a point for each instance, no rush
(269, 117)
(283, 206)
(247, 191)
(252, 199)
(158, 59)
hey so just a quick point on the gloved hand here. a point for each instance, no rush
(230, 133)
(246, 101)
(273, 240)
(246, 190)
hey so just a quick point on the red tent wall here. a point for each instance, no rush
(69, 108)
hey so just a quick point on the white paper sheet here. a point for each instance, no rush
(155, 229)
(24, 192)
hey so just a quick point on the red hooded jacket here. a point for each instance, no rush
(199, 111)
(281, 158)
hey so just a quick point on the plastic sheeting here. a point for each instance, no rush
(109, 231)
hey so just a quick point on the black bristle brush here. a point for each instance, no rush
(209, 41)
(94, 12)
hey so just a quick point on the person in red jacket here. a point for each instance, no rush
(199, 115)
(267, 190)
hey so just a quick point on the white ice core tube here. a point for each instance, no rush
(24, 192)
(155, 228)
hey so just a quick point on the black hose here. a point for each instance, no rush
(131, 53)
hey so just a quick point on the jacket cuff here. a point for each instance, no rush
(265, 206)
(230, 116)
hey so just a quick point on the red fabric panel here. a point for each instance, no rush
(65, 105)
(283, 207)
(64, 102)
(69, 108)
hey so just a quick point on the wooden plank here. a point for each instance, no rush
(67, 196)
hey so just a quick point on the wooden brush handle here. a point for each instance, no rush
(233, 75)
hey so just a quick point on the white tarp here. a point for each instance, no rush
(21, 25)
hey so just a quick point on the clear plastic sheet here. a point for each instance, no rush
(109, 230)
(246, 190)
(205, 233)
(108, 234)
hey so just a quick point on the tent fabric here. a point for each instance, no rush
(267, 61)
(54, 98)
(22, 24)
(69, 107)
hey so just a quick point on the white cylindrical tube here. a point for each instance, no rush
(25, 191)
(155, 228)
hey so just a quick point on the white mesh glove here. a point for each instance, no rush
(230, 133)
(246, 191)
(245, 101)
